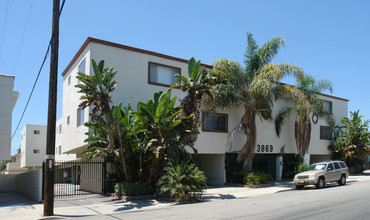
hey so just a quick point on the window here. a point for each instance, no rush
(81, 67)
(60, 128)
(68, 119)
(337, 166)
(36, 151)
(215, 122)
(59, 149)
(69, 80)
(80, 117)
(163, 75)
(36, 131)
(343, 164)
(325, 133)
(330, 166)
(328, 106)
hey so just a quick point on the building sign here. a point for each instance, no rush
(264, 148)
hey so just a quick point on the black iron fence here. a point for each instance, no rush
(78, 178)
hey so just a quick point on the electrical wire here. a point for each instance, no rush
(37, 78)
(2, 38)
(24, 31)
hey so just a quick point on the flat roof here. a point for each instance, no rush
(121, 46)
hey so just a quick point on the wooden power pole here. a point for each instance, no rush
(52, 109)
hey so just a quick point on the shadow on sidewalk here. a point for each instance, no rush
(8, 199)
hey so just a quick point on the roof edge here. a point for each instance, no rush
(121, 46)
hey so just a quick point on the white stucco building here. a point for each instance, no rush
(141, 73)
(8, 98)
(33, 146)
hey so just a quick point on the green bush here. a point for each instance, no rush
(256, 178)
(302, 167)
(357, 169)
(133, 189)
(180, 180)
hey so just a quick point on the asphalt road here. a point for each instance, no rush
(351, 201)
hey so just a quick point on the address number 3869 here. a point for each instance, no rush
(264, 148)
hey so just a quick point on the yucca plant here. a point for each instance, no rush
(180, 180)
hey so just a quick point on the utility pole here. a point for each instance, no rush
(52, 109)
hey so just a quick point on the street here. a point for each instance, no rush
(333, 202)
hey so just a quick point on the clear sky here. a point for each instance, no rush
(328, 39)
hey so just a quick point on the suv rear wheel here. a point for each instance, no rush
(342, 180)
(320, 183)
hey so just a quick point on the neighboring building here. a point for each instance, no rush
(8, 98)
(33, 146)
(14, 165)
(140, 73)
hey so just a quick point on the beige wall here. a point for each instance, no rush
(8, 99)
(31, 142)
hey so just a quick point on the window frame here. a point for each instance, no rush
(324, 138)
(331, 105)
(80, 117)
(163, 65)
(219, 131)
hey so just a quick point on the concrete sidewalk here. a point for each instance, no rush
(19, 207)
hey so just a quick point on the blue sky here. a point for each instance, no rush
(328, 39)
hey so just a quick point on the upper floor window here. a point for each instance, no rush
(80, 117)
(60, 128)
(325, 133)
(36, 151)
(163, 75)
(215, 122)
(81, 67)
(328, 106)
(36, 131)
(68, 119)
(69, 80)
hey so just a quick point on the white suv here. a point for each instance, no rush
(321, 173)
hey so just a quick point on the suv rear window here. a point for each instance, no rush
(343, 165)
(337, 166)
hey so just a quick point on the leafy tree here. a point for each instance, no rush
(352, 144)
(254, 88)
(96, 91)
(309, 87)
(198, 83)
(164, 127)
(181, 179)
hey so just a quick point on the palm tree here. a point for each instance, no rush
(197, 84)
(310, 88)
(253, 87)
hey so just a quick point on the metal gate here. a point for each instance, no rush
(78, 178)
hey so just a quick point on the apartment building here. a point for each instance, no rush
(8, 98)
(140, 73)
(33, 146)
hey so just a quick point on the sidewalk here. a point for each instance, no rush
(95, 205)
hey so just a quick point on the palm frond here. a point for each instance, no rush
(281, 118)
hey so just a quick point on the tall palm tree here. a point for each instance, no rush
(310, 88)
(253, 87)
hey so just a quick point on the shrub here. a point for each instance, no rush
(256, 178)
(234, 170)
(180, 180)
(302, 167)
(133, 189)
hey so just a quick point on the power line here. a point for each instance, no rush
(37, 78)
(2, 39)
(24, 31)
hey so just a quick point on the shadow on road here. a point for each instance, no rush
(136, 204)
(8, 199)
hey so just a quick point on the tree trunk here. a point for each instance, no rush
(302, 136)
(246, 153)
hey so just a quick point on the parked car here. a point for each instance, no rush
(321, 173)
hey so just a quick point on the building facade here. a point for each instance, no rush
(33, 146)
(8, 98)
(141, 73)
